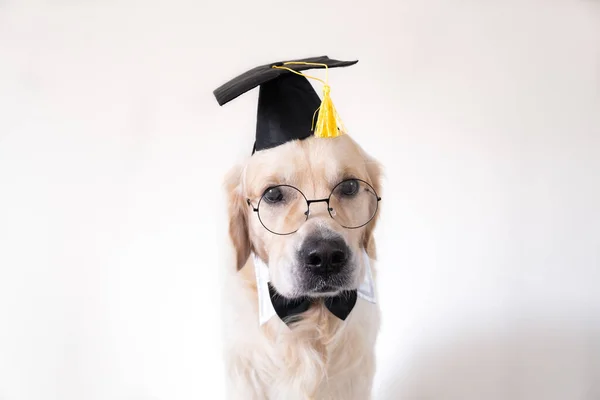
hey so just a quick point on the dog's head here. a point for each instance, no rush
(307, 208)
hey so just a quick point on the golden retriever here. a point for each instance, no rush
(318, 356)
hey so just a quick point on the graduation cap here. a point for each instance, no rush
(287, 102)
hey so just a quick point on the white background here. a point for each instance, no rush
(486, 115)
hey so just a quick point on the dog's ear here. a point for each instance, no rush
(375, 172)
(238, 218)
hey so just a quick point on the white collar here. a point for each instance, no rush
(366, 290)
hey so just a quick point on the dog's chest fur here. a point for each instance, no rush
(319, 357)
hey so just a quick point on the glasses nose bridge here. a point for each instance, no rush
(311, 204)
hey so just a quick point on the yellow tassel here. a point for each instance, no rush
(329, 124)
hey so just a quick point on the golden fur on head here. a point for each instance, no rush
(319, 356)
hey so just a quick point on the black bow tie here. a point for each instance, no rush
(287, 309)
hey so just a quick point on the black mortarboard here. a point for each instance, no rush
(287, 101)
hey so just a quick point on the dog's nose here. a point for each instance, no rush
(325, 256)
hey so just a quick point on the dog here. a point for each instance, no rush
(318, 356)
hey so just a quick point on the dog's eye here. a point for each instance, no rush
(273, 195)
(349, 187)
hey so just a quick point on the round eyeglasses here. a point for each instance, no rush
(282, 209)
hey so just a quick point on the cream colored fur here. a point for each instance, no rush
(320, 357)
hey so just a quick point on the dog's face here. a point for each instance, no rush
(311, 248)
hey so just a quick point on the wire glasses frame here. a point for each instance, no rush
(328, 200)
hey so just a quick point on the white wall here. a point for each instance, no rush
(112, 149)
